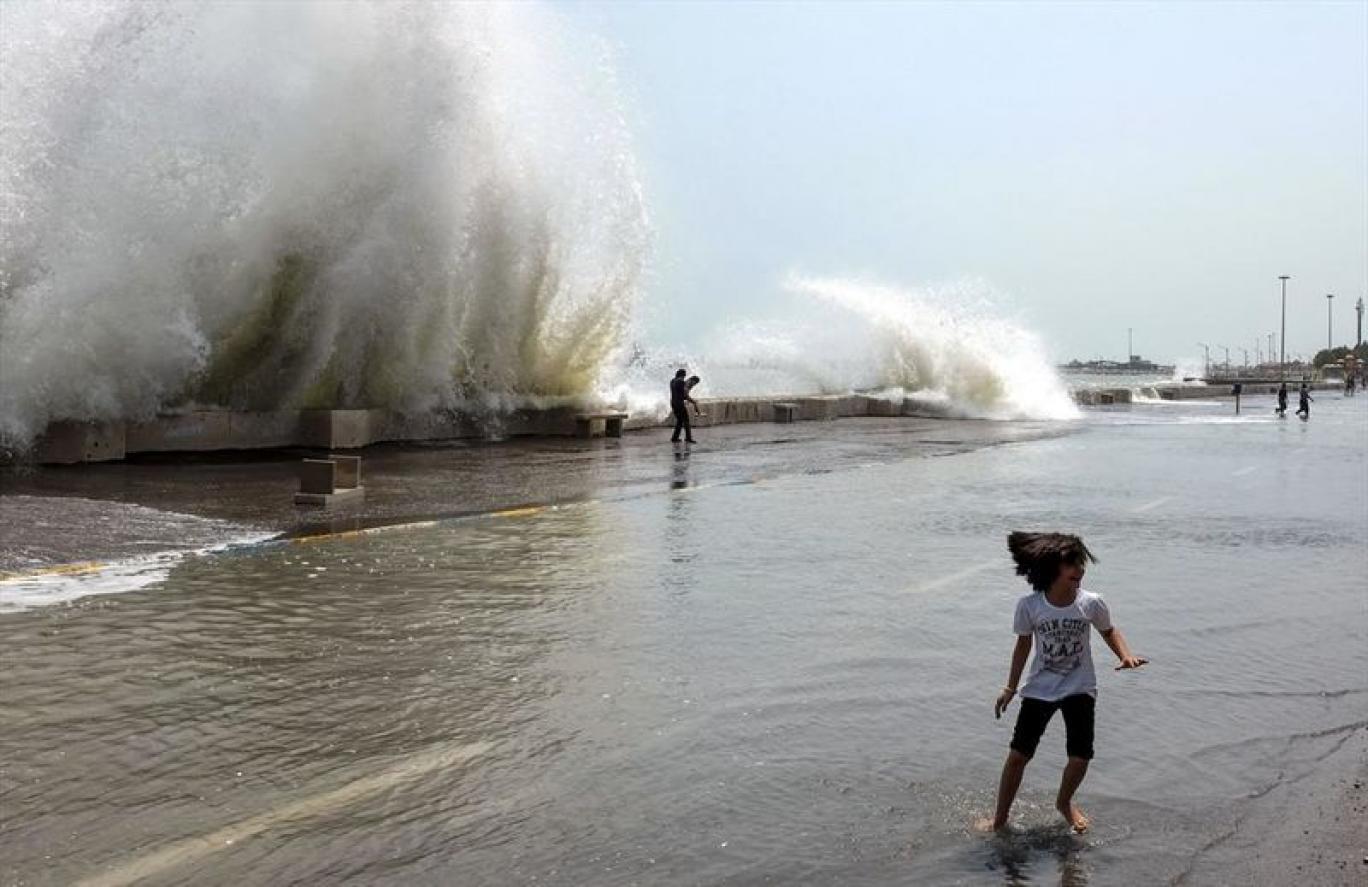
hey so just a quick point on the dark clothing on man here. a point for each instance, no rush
(681, 414)
(679, 391)
(679, 403)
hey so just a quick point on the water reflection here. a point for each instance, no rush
(1017, 855)
(679, 475)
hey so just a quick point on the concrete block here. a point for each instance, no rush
(318, 476)
(850, 406)
(68, 443)
(260, 430)
(335, 429)
(348, 473)
(818, 408)
(193, 431)
(325, 481)
(878, 406)
(329, 499)
(606, 424)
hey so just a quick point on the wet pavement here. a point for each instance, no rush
(239, 494)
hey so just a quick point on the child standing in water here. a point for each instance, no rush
(1056, 616)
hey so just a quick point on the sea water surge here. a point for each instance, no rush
(401, 206)
(771, 657)
(267, 206)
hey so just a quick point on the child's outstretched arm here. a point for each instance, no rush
(1117, 642)
(1020, 653)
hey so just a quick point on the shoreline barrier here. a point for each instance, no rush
(1174, 391)
(209, 430)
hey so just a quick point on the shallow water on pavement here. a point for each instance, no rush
(726, 679)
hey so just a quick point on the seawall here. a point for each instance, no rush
(66, 443)
(1174, 391)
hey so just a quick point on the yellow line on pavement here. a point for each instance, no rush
(520, 512)
(76, 569)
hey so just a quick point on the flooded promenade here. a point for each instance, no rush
(768, 659)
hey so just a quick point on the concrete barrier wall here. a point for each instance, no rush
(207, 430)
(68, 443)
(1108, 396)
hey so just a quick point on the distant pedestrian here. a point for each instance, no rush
(1057, 616)
(1304, 399)
(680, 398)
(1282, 400)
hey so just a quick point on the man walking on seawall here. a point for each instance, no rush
(680, 398)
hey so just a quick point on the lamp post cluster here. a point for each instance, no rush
(1329, 326)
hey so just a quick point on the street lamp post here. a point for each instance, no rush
(1246, 357)
(1329, 321)
(1227, 354)
(1206, 359)
(1282, 336)
(1358, 306)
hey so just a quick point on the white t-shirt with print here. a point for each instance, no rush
(1063, 645)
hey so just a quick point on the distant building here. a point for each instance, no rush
(1136, 364)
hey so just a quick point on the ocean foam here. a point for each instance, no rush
(298, 204)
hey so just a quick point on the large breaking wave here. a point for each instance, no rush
(952, 349)
(283, 205)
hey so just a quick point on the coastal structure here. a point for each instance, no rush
(1136, 364)
(211, 430)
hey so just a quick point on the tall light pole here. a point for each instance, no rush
(1358, 306)
(1282, 336)
(1329, 321)
(1270, 346)
(1246, 357)
(1206, 358)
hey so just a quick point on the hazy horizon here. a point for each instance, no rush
(1153, 166)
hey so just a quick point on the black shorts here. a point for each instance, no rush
(1035, 714)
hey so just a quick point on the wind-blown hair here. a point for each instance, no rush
(1039, 556)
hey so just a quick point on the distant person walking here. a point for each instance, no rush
(1056, 617)
(680, 398)
(1282, 400)
(1304, 399)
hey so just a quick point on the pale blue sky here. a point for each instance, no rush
(1105, 165)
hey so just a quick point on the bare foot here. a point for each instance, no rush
(1077, 819)
(987, 824)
